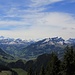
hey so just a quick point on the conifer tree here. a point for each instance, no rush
(53, 65)
(42, 72)
(30, 72)
(69, 62)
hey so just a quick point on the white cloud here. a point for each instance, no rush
(37, 24)
(41, 25)
(57, 19)
(38, 3)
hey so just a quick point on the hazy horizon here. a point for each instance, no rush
(34, 19)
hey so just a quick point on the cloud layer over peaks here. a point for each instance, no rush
(32, 19)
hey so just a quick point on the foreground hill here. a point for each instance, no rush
(5, 70)
(50, 64)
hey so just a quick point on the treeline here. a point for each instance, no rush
(56, 66)
(6, 68)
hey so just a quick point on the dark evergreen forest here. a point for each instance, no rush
(56, 66)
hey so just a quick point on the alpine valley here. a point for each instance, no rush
(32, 49)
(22, 57)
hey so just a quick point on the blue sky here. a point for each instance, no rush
(34, 19)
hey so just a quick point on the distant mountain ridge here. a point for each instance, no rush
(31, 49)
(60, 40)
(47, 45)
(4, 40)
(13, 46)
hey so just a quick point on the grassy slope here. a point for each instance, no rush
(20, 71)
(5, 73)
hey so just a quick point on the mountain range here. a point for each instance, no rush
(11, 41)
(13, 46)
(47, 45)
(13, 53)
(32, 49)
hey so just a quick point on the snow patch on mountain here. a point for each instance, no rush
(4, 40)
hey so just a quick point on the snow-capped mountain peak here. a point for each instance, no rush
(4, 40)
(2, 37)
(47, 40)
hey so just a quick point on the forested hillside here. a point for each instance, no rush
(45, 64)
(55, 66)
